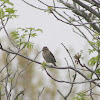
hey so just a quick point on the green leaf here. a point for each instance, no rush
(39, 30)
(23, 36)
(16, 37)
(10, 10)
(50, 8)
(98, 71)
(93, 61)
(8, 2)
(91, 50)
(34, 34)
(28, 45)
(2, 14)
(44, 65)
(31, 28)
(81, 94)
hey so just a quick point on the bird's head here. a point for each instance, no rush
(45, 48)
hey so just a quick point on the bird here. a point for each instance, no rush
(48, 56)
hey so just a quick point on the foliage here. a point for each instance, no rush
(7, 2)
(44, 65)
(23, 35)
(85, 15)
(93, 61)
(85, 21)
(7, 10)
(80, 96)
(20, 39)
(96, 44)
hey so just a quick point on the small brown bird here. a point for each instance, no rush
(48, 56)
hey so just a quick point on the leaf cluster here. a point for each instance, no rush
(44, 65)
(22, 36)
(7, 9)
(7, 2)
(93, 61)
(80, 96)
(96, 44)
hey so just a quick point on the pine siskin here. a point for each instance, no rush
(48, 56)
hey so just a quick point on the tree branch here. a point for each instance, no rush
(21, 92)
(87, 8)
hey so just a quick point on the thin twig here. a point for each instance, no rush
(39, 94)
(8, 34)
(90, 80)
(21, 92)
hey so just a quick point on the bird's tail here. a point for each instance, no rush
(54, 64)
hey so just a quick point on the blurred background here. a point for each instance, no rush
(34, 78)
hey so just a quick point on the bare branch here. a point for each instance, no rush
(82, 14)
(39, 94)
(33, 5)
(4, 78)
(8, 34)
(87, 8)
(88, 80)
(0, 94)
(21, 92)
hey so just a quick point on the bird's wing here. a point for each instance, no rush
(52, 57)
